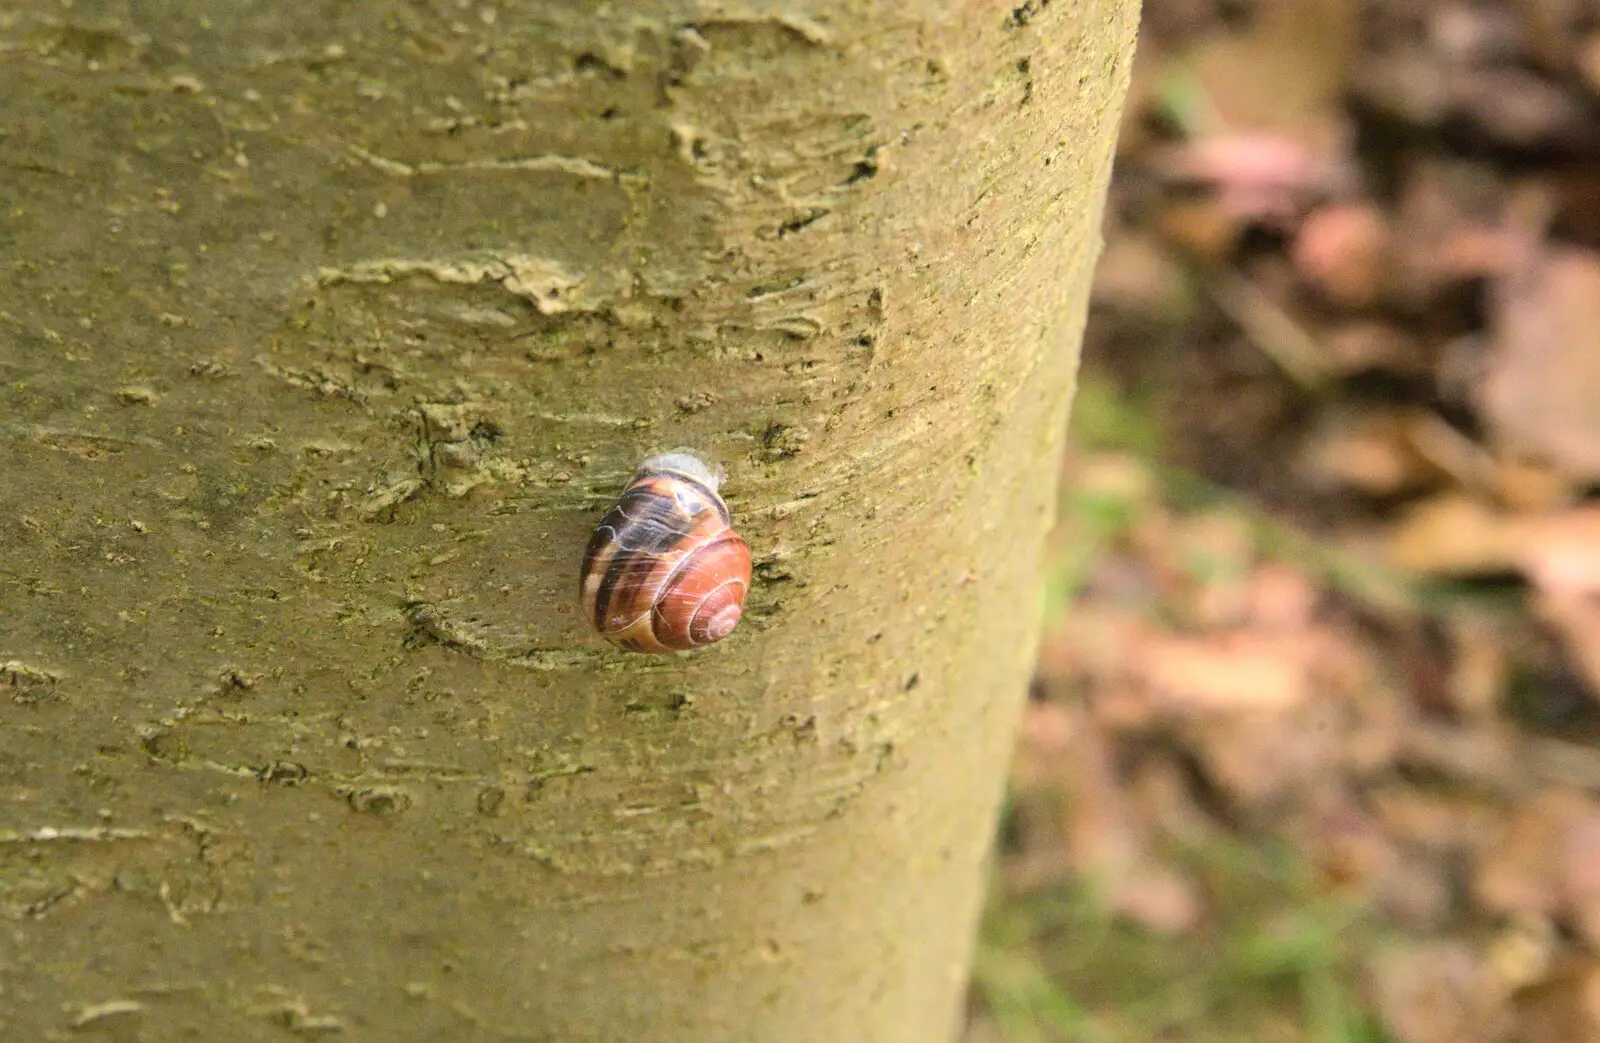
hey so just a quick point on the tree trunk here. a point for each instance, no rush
(327, 333)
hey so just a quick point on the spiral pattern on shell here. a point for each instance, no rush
(664, 570)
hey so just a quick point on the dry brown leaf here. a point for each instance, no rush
(1575, 617)
(1256, 176)
(1542, 387)
(1139, 276)
(1164, 797)
(1096, 645)
(1532, 486)
(1281, 598)
(1405, 84)
(1217, 549)
(1418, 894)
(1367, 344)
(1448, 227)
(1204, 229)
(1259, 760)
(1564, 1008)
(1345, 842)
(1284, 71)
(1444, 447)
(1103, 837)
(1445, 825)
(1589, 60)
(1229, 673)
(1118, 476)
(1345, 251)
(1559, 553)
(1522, 953)
(1157, 898)
(1124, 707)
(1107, 841)
(1438, 993)
(1451, 534)
(1370, 452)
(1580, 876)
(1479, 669)
(1475, 33)
(1046, 734)
(1521, 873)
(1518, 107)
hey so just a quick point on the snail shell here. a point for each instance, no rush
(664, 570)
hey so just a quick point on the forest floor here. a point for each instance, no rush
(1313, 751)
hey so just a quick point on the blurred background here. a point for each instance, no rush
(1313, 750)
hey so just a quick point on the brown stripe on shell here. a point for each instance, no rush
(644, 528)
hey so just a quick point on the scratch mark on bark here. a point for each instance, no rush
(85, 834)
(29, 684)
(294, 1014)
(556, 659)
(324, 385)
(378, 800)
(803, 29)
(630, 422)
(379, 504)
(429, 626)
(173, 912)
(691, 858)
(572, 166)
(83, 444)
(99, 1012)
(433, 772)
(544, 283)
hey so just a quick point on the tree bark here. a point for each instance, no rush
(327, 333)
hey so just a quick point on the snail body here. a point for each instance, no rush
(664, 570)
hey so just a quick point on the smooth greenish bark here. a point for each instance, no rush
(328, 330)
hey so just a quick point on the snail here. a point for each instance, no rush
(664, 570)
